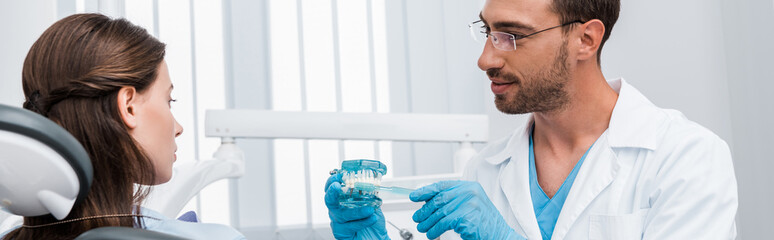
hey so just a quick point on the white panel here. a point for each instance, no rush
(290, 194)
(250, 70)
(385, 156)
(214, 203)
(686, 71)
(399, 79)
(210, 90)
(749, 35)
(397, 56)
(466, 82)
(287, 95)
(140, 12)
(251, 53)
(112, 8)
(80, 6)
(23, 22)
(429, 79)
(285, 79)
(427, 56)
(210, 84)
(318, 56)
(90, 6)
(358, 149)
(378, 26)
(66, 8)
(323, 157)
(355, 62)
(365, 126)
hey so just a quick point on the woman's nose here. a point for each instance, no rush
(178, 129)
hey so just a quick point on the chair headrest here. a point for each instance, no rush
(44, 169)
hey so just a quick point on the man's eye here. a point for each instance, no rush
(517, 36)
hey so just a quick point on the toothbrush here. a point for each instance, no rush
(370, 187)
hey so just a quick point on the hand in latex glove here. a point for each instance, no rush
(462, 206)
(352, 223)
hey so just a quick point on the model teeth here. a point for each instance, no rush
(364, 176)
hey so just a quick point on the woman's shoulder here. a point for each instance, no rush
(2, 234)
(155, 221)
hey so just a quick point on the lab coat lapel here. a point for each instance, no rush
(514, 181)
(597, 172)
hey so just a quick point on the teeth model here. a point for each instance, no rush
(362, 176)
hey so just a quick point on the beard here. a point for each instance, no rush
(543, 91)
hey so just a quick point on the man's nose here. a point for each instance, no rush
(489, 58)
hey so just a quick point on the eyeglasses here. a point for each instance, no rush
(502, 40)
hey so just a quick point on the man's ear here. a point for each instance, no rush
(127, 106)
(590, 39)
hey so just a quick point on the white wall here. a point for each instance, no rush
(678, 64)
(749, 47)
(21, 23)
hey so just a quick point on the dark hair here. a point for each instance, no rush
(586, 10)
(72, 75)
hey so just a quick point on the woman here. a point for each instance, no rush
(106, 82)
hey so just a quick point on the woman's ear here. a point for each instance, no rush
(127, 106)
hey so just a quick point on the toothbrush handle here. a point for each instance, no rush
(398, 190)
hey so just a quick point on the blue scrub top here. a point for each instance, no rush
(547, 209)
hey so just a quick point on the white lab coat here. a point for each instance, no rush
(652, 174)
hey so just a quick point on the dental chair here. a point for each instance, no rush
(45, 170)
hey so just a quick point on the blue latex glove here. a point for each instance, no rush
(462, 206)
(352, 223)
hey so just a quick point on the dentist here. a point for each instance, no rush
(596, 160)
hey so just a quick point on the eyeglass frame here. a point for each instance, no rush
(513, 36)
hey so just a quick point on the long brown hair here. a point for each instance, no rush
(72, 75)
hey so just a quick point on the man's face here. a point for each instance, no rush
(534, 77)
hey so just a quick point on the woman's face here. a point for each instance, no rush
(156, 128)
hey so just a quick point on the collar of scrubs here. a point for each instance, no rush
(547, 209)
(632, 116)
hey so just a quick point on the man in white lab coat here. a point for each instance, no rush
(596, 160)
